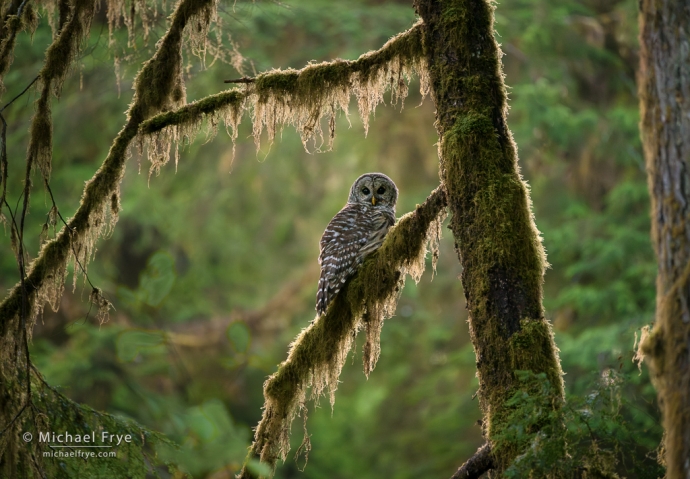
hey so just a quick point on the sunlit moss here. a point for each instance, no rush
(59, 57)
(301, 98)
(318, 353)
(496, 238)
(14, 22)
(158, 86)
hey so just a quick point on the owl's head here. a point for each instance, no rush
(374, 189)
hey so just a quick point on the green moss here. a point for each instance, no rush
(63, 50)
(52, 411)
(532, 349)
(497, 241)
(280, 82)
(530, 430)
(318, 353)
(157, 87)
(314, 88)
(192, 112)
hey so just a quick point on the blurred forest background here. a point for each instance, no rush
(213, 268)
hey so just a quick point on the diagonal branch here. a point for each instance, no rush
(158, 86)
(319, 352)
(476, 465)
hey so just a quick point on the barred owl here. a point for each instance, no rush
(356, 231)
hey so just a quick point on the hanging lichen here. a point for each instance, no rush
(159, 86)
(319, 352)
(16, 17)
(304, 98)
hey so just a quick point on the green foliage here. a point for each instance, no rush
(135, 458)
(131, 342)
(239, 336)
(597, 437)
(242, 239)
(212, 439)
(155, 282)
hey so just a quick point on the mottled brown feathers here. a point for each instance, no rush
(356, 231)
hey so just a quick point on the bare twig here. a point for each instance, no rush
(241, 80)
(17, 97)
(478, 464)
(76, 257)
(4, 167)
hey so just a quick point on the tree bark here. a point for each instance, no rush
(496, 239)
(664, 87)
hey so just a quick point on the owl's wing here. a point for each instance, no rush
(345, 235)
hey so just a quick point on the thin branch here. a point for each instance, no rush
(478, 464)
(241, 80)
(16, 416)
(4, 173)
(192, 111)
(17, 97)
(76, 257)
(21, 8)
(22, 323)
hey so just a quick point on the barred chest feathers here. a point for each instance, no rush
(356, 231)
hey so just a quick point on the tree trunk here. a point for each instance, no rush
(496, 239)
(664, 85)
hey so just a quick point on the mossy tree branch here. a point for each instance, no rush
(59, 57)
(158, 86)
(318, 353)
(495, 236)
(16, 16)
(476, 465)
(314, 80)
(301, 98)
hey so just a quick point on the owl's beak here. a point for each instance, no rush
(373, 200)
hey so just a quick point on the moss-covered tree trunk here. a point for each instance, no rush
(665, 111)
(495, 236)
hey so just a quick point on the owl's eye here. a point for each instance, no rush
(381, 190)
(365, 190)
